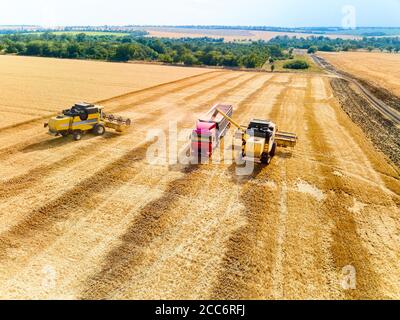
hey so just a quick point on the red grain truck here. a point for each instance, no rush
(210, 129)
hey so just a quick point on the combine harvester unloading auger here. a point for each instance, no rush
(259, 140)
(83, 118)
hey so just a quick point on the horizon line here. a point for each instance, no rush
(198, 26)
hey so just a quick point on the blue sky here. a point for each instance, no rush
(288, 13)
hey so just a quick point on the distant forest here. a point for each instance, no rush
(313, 44)
(186, 51)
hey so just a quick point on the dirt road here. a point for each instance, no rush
(94, 220)
(379, 68)
(389, 112)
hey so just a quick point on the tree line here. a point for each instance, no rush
(187, 51)
(313, 44)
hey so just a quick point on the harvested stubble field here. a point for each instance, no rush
(94, 220)
(380, 69)
(36, 87)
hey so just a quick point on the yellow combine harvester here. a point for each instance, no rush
(260, 139)
(83, 118)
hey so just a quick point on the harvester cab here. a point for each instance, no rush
(259, 141)
(83, 118)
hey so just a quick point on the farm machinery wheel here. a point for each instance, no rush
(265, 158)
(273, 150)
(77, 135)
(99, 130)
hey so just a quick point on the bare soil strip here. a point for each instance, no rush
(382, 132)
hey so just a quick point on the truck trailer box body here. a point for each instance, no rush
(210, 128)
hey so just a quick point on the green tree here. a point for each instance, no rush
(126, 40)
(211, 58)
(326, 47)
(81, 37)
(14, 47)
(166, 58)
(189, 59)
(296, 64)
(312, 49)
(47, 49)
(34, 48)
(73, 50)
(157, 46)
(230, 60)
(276, 51)
(250, 61)
(124, 53)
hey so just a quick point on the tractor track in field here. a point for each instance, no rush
(162, 86)
(41, 138)
(236, 280)
(239, 270)
(105, 280)
(122, 262)
(21, 182)
(347, 247)
(63, 207)
(156, 95)
(33, 123)
(183, 103)
(206, 90)
(55, 143)
(150, 222)
(13, 186)
(120, 228)
(208, 75)
(42, 217)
